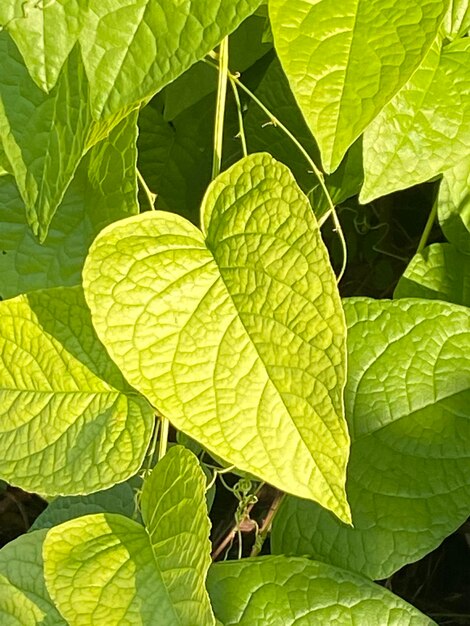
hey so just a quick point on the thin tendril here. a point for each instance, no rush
(240, 116)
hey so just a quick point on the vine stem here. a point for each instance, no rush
(315, 170)
(150, 196)
(220, 107)
(267, 523)
(427, 229)
(163, 441)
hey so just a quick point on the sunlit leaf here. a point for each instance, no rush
(45, 33)
(236, 333)
(44, 135)
(24, 599)
(346, 60)
(107, 569)
(425, 129)
(454, 205)
(457, 19)
(103, 189)
(439, 272)
(165, 37)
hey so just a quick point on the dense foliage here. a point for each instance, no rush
(187, 190)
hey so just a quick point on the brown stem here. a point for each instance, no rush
(266, 526)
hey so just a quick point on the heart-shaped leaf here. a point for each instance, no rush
(107, 569)
(236, 333)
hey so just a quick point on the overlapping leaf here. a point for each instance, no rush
(69, 422)
(274, 92)
(16, 609)
(133, 50)
(454, 205)
(439, 272)
(176, 158)
(44, 136)
(236, 334)
(130, 51)
(346, 60)
(45, 32)
(407, 405)
(24, 599)
(282, 591)
(107, 569)
(425, 129)
(103, 189)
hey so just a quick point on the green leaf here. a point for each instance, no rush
(425, 129)
(103, 190)
(43, 136)
(439, 272)
(23, 593)
(91, 429)
(407, 405)
(454, 205)
(5, 167)
(107, 569)
(236, 334)
(282, 591)
(346, 60)
(190, 88)
(118, 499)
(457, 19)
(45, 33)
(165, 38)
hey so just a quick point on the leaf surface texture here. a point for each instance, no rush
(346, 60)
(70, 424)
(282, 591)
(108, 569)
(236, 333)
